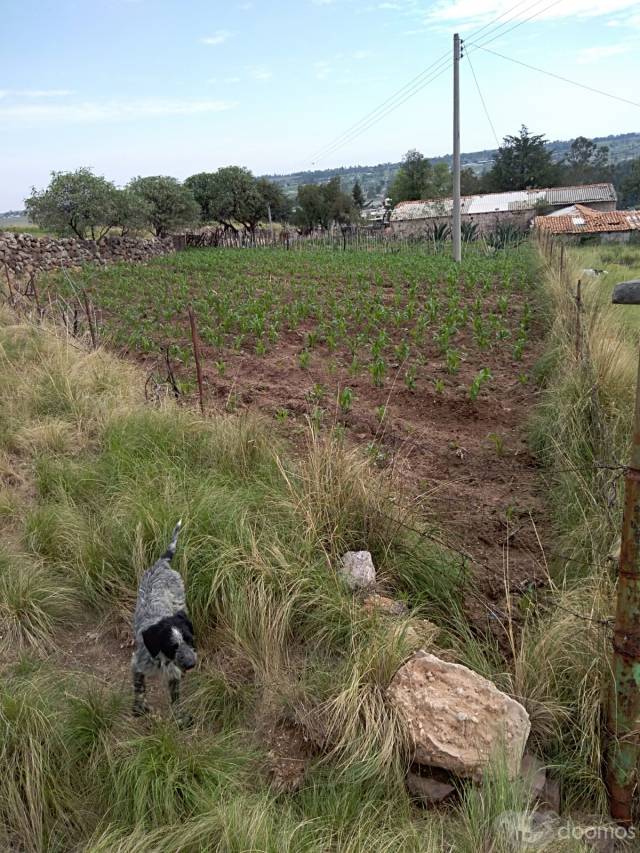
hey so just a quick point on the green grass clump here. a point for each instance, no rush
(162, 777)
(35, 802)
(33, 601)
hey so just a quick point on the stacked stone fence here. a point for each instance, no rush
(25, 254)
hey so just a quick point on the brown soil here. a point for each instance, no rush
(465, 465)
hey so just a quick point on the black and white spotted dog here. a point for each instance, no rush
(163, 633)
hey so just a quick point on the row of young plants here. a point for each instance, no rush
(374, 313)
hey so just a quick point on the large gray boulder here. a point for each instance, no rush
(457, 719)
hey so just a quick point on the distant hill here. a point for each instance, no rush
(11, 216)
(375, 179)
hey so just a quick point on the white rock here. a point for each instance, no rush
(458, 730)
(358, 570)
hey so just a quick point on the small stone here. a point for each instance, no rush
(358, 570)
(383, 604)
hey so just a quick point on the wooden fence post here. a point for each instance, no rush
(196, 354)
(87, 311)
(579, 320)
(36, 297)
(11, 296)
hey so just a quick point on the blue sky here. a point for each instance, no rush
(133, 87)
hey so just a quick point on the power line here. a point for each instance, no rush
(484, 104)
(414, 82)
(391, 108)
(495, 35)
(560, 77)
(504, 14)
(417, 83)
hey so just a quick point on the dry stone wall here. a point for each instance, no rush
(25, 253)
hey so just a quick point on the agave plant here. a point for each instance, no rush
(469, 231)
(505, 236)
(440, 232)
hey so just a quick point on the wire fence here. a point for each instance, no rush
(431, 238)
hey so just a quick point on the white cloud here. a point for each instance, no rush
(323, 69)
(594, 54)
(482, 11)
(245, 7)
(232, 80)
(112, 110)
(631, 21)
(362, 54)
(218, 37)
(260, 72)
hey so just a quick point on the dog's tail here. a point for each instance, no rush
(171, 550)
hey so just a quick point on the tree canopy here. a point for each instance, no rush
(232, 195)
(170, 204)
(627, 180)
(418, 179)
(358, 195)
(320, 205)
(79, 203)
(585, 162)
(522, 161)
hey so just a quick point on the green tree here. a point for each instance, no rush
(233, 195)
(202, 187)
(626, 177)
(522, 161)
(470, 183)
(79, 203)
(586, 162)
(310, 206)
(275, 197)
(440, 182)
(411, 178)
(133, 212)
(171, 205)
(320, 205)
(358, 195)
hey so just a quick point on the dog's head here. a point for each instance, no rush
(172, 637)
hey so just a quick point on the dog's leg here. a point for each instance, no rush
(174, 690)
(183, 718)
(139, 694)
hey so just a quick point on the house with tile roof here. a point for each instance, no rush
(582, 221)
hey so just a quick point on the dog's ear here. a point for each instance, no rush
(183, 623)
(156, 637)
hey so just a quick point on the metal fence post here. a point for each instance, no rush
(624, 698)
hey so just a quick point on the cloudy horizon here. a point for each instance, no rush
(160, 90)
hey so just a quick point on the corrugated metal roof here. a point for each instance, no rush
(517, 200)
(581, 195)
(563, 211)
(585, 220)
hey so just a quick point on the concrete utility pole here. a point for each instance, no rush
(457, 219)
(624, 697)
